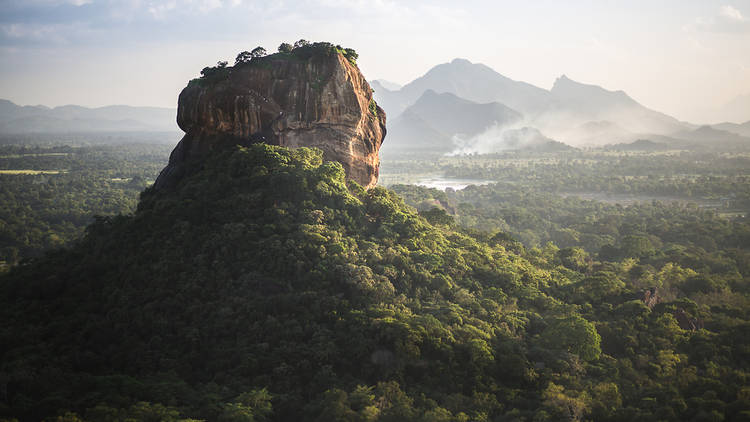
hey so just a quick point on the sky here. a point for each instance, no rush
(682, 57)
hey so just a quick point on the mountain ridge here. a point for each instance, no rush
(742, 129)
(556, 112)
(74, 118)
(475, 82)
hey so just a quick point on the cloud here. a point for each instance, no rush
(209, 5)
(731, 14)
(40, 4)
(728, 19)
(38, 33)
(57, 2)
(159, 10)
(414, 18)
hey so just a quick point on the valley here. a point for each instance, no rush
(515, 254)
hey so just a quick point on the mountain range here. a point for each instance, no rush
(572, 112)
(382, 83)
(72, 118)
(456, 107)
(739, 129)
(472, 81)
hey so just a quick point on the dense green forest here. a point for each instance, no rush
(49, 194)
(266, 287)
(689, 175)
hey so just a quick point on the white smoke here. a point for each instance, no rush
(498, 138)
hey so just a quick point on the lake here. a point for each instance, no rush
(443, 183)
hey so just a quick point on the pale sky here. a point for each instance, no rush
(676, 56)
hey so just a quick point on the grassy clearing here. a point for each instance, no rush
(32, 171)
(46, 154)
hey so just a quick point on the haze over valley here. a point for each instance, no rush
(507, 115)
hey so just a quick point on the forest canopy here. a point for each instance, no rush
(267, 287)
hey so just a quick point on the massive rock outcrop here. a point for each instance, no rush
(311, 97)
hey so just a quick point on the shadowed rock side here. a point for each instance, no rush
(322, 101)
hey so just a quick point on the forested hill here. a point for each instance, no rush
(266, 287)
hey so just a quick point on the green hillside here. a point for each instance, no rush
(266, 287)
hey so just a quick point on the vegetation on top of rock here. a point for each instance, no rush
(301, 49)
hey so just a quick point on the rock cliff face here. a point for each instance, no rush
(650, 297)
(320, 101)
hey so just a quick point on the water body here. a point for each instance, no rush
(443, 183)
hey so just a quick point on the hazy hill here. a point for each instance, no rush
(596, 132)
(9, 110)
(707, 135)
(456, 116)
(580, 103)
(384, 84)
(433, 121)
(410, 133)
(739, 129)
(639, 145)
(589, 99)
(48, 124)
(72, 118)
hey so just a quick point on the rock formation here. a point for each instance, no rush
(310, 97)
(650, 298)
(686, 322)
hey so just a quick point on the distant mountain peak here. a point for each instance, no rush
(432, 95)
(460, 61)
(384, 84)
(567, 88)
(472, 81)
(564, 81)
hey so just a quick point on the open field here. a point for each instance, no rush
(32, 171)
